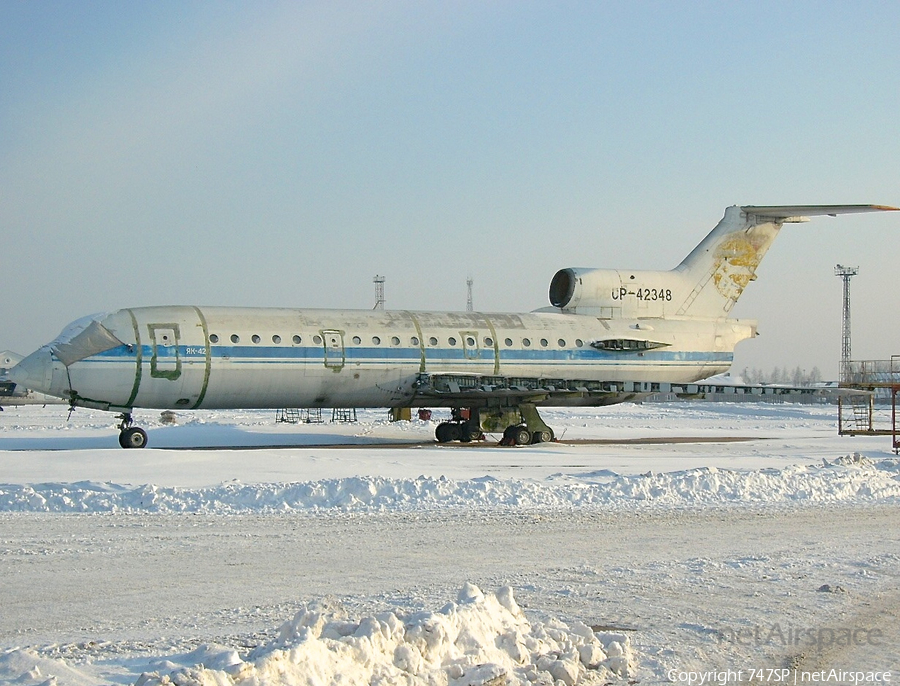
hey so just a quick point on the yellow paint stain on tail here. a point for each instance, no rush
(736, 261)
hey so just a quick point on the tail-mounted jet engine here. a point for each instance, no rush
(610, 293)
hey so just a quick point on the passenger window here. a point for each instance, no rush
(376, 340)
(357, 340)
(414, 341)
(451, 340)
(526, 342)
(544, 343)
(235, 338)
(562, 343)
(255, 338)
(297, 340)
(276, 339)
(213, 338)
(579, 343)
(432, 341)
(317, 339)
(395, 340)
(470, 341)
(508, 342)
(489, 342)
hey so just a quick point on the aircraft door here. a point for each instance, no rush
(333, 340)
(173, 358)
(165, 361)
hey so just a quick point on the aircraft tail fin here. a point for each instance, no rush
(724, 262)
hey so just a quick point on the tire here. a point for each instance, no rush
(542, 436)
(522, 435)
(454, 432)
(135, 437)
(441, 434)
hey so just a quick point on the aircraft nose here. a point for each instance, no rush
(34, 372)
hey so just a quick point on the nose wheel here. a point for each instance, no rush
(131, 436)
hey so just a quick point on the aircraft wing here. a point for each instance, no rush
(471, 389)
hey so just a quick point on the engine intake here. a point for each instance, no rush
(562, 287)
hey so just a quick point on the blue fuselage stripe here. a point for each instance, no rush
(371, 355)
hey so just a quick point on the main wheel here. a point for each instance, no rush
(440, 433)
(454, 431)
(134, 437)
(522, 435)
(542, 436)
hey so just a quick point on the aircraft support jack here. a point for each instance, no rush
(130, 436)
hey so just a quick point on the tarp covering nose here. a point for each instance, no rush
(94, 339)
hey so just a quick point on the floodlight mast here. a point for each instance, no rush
(845, 273)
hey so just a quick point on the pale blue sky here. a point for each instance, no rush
(283, 154)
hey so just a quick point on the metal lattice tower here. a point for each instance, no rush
(470, 306)
(845, 273)
(379, 292)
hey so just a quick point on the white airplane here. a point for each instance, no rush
(609, 337)
(11, 393)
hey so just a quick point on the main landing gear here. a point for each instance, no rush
(520, 435)
(463, 427)
(521, 425)
(130, 436)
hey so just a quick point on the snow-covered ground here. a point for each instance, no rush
(657, 542)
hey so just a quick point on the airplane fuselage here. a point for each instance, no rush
(214, 357)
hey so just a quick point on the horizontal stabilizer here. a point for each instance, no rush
(786, 211)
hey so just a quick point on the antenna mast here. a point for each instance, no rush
(470, 307)
(845, 273)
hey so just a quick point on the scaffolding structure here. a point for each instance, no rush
(873, 410)
(292, 415)
(313, 415)
(346, 415)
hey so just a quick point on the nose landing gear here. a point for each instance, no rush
(130, 436)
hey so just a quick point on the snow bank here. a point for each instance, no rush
(477, 640)
(851, 479)
(25, 667)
